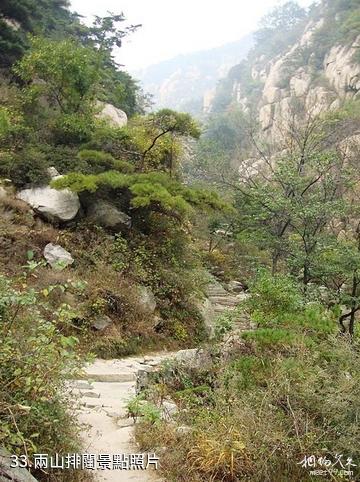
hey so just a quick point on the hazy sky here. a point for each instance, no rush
(172, 27)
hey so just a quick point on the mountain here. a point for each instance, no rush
(312, 58)
(187, 82)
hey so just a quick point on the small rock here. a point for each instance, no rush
(112, 413)
(235, 286)
(146, 299)
(82, 386)
(101, 322)
(186, 355)
(57, 256)
(8, 473)
(183, 429)
(125, 422)
(91, 405)
(168, 410)
(53, 172)
(143, 378)
(194, 358)
(90, 394)
(3, 193)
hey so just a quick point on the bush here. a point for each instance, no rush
(36, 359)
(290, 393)
(95, 162)
(27, 166)
(273, 296)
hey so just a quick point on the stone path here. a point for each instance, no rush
(103, 393)
(108, 385)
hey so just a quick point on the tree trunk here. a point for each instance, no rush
(306, 273)
(353, 305)
(275, 262)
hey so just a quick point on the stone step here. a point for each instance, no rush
(80, 385)
(217, 292)
(108, 377)
(225, 300)
(223, 309)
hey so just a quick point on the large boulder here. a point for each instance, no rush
(194, 358)
(108, 216)
(208, 314)
(114, 116)
(53, 205)
(57, 256)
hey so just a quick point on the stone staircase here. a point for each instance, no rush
(221, 301)
(102, 393)
(106, 386)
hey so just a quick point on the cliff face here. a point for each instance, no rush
(322, 75)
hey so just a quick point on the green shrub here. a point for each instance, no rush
(27, 166)
(72, 128)
(272, 296)
(36, 359)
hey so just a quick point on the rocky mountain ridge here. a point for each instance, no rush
(320, 82)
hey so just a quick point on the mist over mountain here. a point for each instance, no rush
(187, 82)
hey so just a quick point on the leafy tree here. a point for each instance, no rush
(278, 28)
(63, 71)
(171, 124)
(36, 360)
(294, 196)
(117, 86)
(61, 85)
(223, 142)
(154, 190)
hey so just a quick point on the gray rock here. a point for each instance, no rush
(90, 394)
(57, 256)
(82, 385)
(208, 314)
(183, 430)
(193, 358)
(146, 299)
(101, 322)
(53, 172)
(186, 356)
(168, 410)
(143, 380)
(53, 205)
(114, 116)
(16, 474)
(108, 216)
(125, 422)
